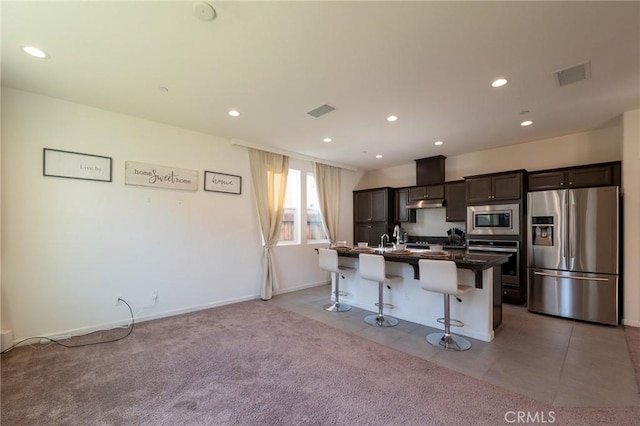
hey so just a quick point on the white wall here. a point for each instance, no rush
(71, 247)
(631, 196)
(580, 148)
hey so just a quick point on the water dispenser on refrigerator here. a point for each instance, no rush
(542, 230)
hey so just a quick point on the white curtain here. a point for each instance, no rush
(328, 184)
(269, 177)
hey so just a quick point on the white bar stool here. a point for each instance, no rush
(441, 276)
(329, 262)
(372, 268)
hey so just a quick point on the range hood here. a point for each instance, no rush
(426, 204)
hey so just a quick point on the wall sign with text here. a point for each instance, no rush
(220, 182)
(75, 165)
(144, 174)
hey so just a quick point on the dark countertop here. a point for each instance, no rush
(477, 262)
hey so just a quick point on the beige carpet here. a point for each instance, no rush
(255, 364)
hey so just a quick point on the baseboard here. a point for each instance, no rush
(301, 287)
(120, 323)
(195, 308)
(631, 323)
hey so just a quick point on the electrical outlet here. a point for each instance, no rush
(118, 300)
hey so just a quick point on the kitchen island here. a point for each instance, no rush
(480, 311)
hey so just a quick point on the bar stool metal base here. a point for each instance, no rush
(337, 307)
(381, 320)
(448, 341)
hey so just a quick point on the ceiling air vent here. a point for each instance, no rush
(573, 74)
(321, 110)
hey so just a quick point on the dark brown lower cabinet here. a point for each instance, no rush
(370, 233)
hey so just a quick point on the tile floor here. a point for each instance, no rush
(559, 361)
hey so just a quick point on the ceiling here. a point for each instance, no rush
(429, 63)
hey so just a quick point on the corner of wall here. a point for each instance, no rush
(631, 185)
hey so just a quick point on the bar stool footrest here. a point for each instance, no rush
(452, 322)
(385, 305)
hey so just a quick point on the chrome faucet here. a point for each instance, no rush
(382, 240)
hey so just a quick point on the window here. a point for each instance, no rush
(290, 228)
(315, 230)
(294, 217)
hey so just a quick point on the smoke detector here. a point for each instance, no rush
(204, 11)
(573, 74)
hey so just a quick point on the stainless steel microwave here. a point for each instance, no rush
(498, 219)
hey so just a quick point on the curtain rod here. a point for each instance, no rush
(239, 142)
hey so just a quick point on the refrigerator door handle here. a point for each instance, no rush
(565, 227)
(570, 277)
(572, 231)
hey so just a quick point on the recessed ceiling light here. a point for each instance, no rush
(438, 143)
(379, 156)
(35, 52)
(392, 118)
(526, 123)
(327, 139)
(234, 113)
(499, 82)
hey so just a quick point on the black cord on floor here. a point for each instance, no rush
(57, 342)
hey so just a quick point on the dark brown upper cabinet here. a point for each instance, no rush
(430, 192)
(403, 214)
(371, 205)
(575, 177)
(373, 214)
(455, 195)
(430, 171)
(487, 189)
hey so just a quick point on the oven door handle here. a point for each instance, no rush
(494, 249)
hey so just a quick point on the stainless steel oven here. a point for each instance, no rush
(497, 219)
(511, 269)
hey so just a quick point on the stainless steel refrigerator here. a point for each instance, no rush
(573, 253)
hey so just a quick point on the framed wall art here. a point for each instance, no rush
(145, 174)
(221, 182)
(75, 165)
